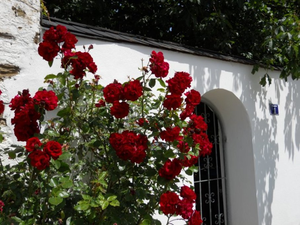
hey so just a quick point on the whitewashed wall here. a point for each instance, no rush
(261, 151)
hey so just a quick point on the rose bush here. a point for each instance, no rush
(111, 155)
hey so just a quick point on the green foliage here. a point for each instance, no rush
(264, 31)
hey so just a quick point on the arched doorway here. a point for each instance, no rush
(210, 179)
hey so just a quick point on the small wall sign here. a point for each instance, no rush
(274, 109)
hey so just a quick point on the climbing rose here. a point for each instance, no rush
(189, 162)
(172, 102)
(39, 159)
(170, 169)
(185, 208)
(80, 62)
(1, 206)
(53, 149)
(193, 98)
(119, 110)
(179, 83)
(101, 103)
(168, 202)
(33, 144)
(133, 90)
(113, 92)
(48, 50)
(46, 99)
(129, 145)
(157, 65)
(170, 134)
(195, 219)
(188, 193)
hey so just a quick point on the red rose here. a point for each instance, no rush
(172, 102)
(101, 103)
(188, 111)
(189, 162)
(168, 202)
(205, 145)
(188, 193)
(60, 33)
(113, 92)
(142, 121)
(33, 144)
(53, 149)
(183, 147)
(1, 206)
(50, 35)
(46, 99)
(193, 98)
(119, 110)
(197, 123)
(70, 41)
(129, 145)
(179, 83)
(195, 219)
(39, 159)
(170, 134)
(1, 107)
(185, 208)
(20, 100)
(25, 121)
(48, 50)
(79, 64)
(133, 90)
(157, 65)
(170, 169)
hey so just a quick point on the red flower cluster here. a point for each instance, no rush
(26, 116)
(171, 204)
(1, 206)
(158, 66)
(80, 61)
(179, 83)
(129, 145)
(171, 169)
(46, 99)
(52, 39)
(41, 158)
(193, 98)
(1, 105)
(170, 134)
(197, 129)
(176, 86)
(116, 92)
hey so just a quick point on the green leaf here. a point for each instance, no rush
(82, 206)
(66, 182)
(63, 112)
(162, 83)
(53, 133)
(146, 222)
(53, 182)
(63, 194)
(111, 198)
(12, 154)
(115, 203)
(104, 204)
(50, 63)
(50, 76)
(65, 155)
(55, 200)
(152, 82)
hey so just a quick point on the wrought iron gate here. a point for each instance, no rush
(210, 178)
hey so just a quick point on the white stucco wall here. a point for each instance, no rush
(261, 151)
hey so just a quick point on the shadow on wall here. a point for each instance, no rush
(265, 149)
